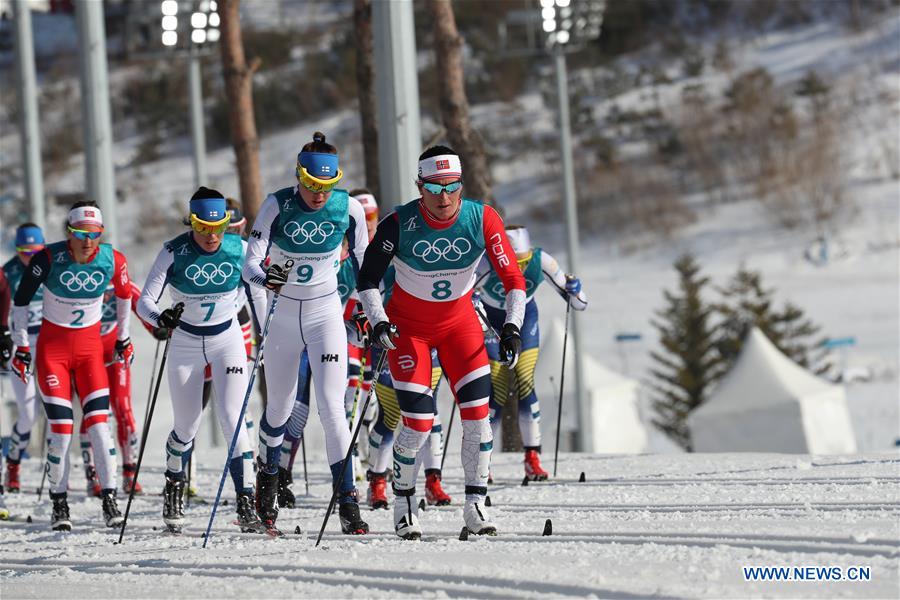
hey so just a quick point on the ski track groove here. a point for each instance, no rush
(454, 586)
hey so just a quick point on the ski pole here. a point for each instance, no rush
(40, 490)
(337, 483)
(305, 475)
(237, 429)
(178, 308)
(152, 373)
(188, 490)
(562, 381)
(447, 436)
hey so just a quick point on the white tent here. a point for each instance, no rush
(617, 427)
(768, 403)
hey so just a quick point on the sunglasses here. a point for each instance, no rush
(81, 234)
(29, 250)
(437, 189)
(207, 228)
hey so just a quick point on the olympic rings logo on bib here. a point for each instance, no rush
(314, 233)
(209, 274)
(343, 290)
(82, 280)
(441, 248)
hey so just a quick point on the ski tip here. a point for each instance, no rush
(297, 530)
(422, 504)
(581, 478)
(548, 528)
(464, 534)
(487, 501)
(28, 519)
(525, 481)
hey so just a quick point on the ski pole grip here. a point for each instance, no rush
(178, 308)
(289, 264)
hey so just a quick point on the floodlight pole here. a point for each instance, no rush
(396, 100)
(582, 404)
(198, 131)
(28, 113)
(97, 123)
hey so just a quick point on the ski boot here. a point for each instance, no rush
(247, 519)
(111, 513)
(476, 518)
(173, 504)
(406, 516)
(12, 478)
(286, 497)
(93, 482)
(348, 511)
(533, 469)
(376, 496)
(434, 493)
(59, 520)
(128, 473)
(267, 497)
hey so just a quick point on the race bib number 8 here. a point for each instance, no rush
(441, 290)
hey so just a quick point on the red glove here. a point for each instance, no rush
(124, 352)
(21, 363)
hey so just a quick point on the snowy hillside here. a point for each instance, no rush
(681, 526)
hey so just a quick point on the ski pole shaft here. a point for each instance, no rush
(562, 382)
(152, 373)
(188, 490)
(40, 490)
(344, 465)
(447, 436)
(162, 367)
(240, 419)
(305, 474)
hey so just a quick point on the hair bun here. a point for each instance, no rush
(319, 137)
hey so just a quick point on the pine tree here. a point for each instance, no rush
(747, 303)
(691, 364)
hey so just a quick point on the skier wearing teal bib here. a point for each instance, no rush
(305, 224)
(202, 269)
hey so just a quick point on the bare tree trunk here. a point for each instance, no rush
(365, 85)
(454, 104)
(239, 88)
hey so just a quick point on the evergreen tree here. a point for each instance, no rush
(691, 364)
(747, 303)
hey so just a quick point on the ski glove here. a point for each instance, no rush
(21, 363)
(385, 333)
(358, 330)
(169, 319)
(510, 345)
(124, 352)
(277, 276)
(6, 346)
(573, 285)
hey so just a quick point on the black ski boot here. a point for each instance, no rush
(111, 513)
(348, 511)
(267, 497)
(59, 521)
(247, 519)
(173, 504)
(285, 493)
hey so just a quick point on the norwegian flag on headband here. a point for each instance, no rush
(89, 213)
(442, 164)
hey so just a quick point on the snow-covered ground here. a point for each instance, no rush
(640, 526)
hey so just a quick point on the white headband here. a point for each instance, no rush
(86, 215)
(439, 167)
(519, 240)
(368, 202)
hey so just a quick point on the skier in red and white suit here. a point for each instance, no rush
(75, 273)
(436, 242)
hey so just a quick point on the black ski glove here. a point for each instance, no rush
(510, 345)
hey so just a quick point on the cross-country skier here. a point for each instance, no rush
(436, 242)
(536, 265)
(75, 274)
(29, 241)
(203, 271)
(305, 224)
